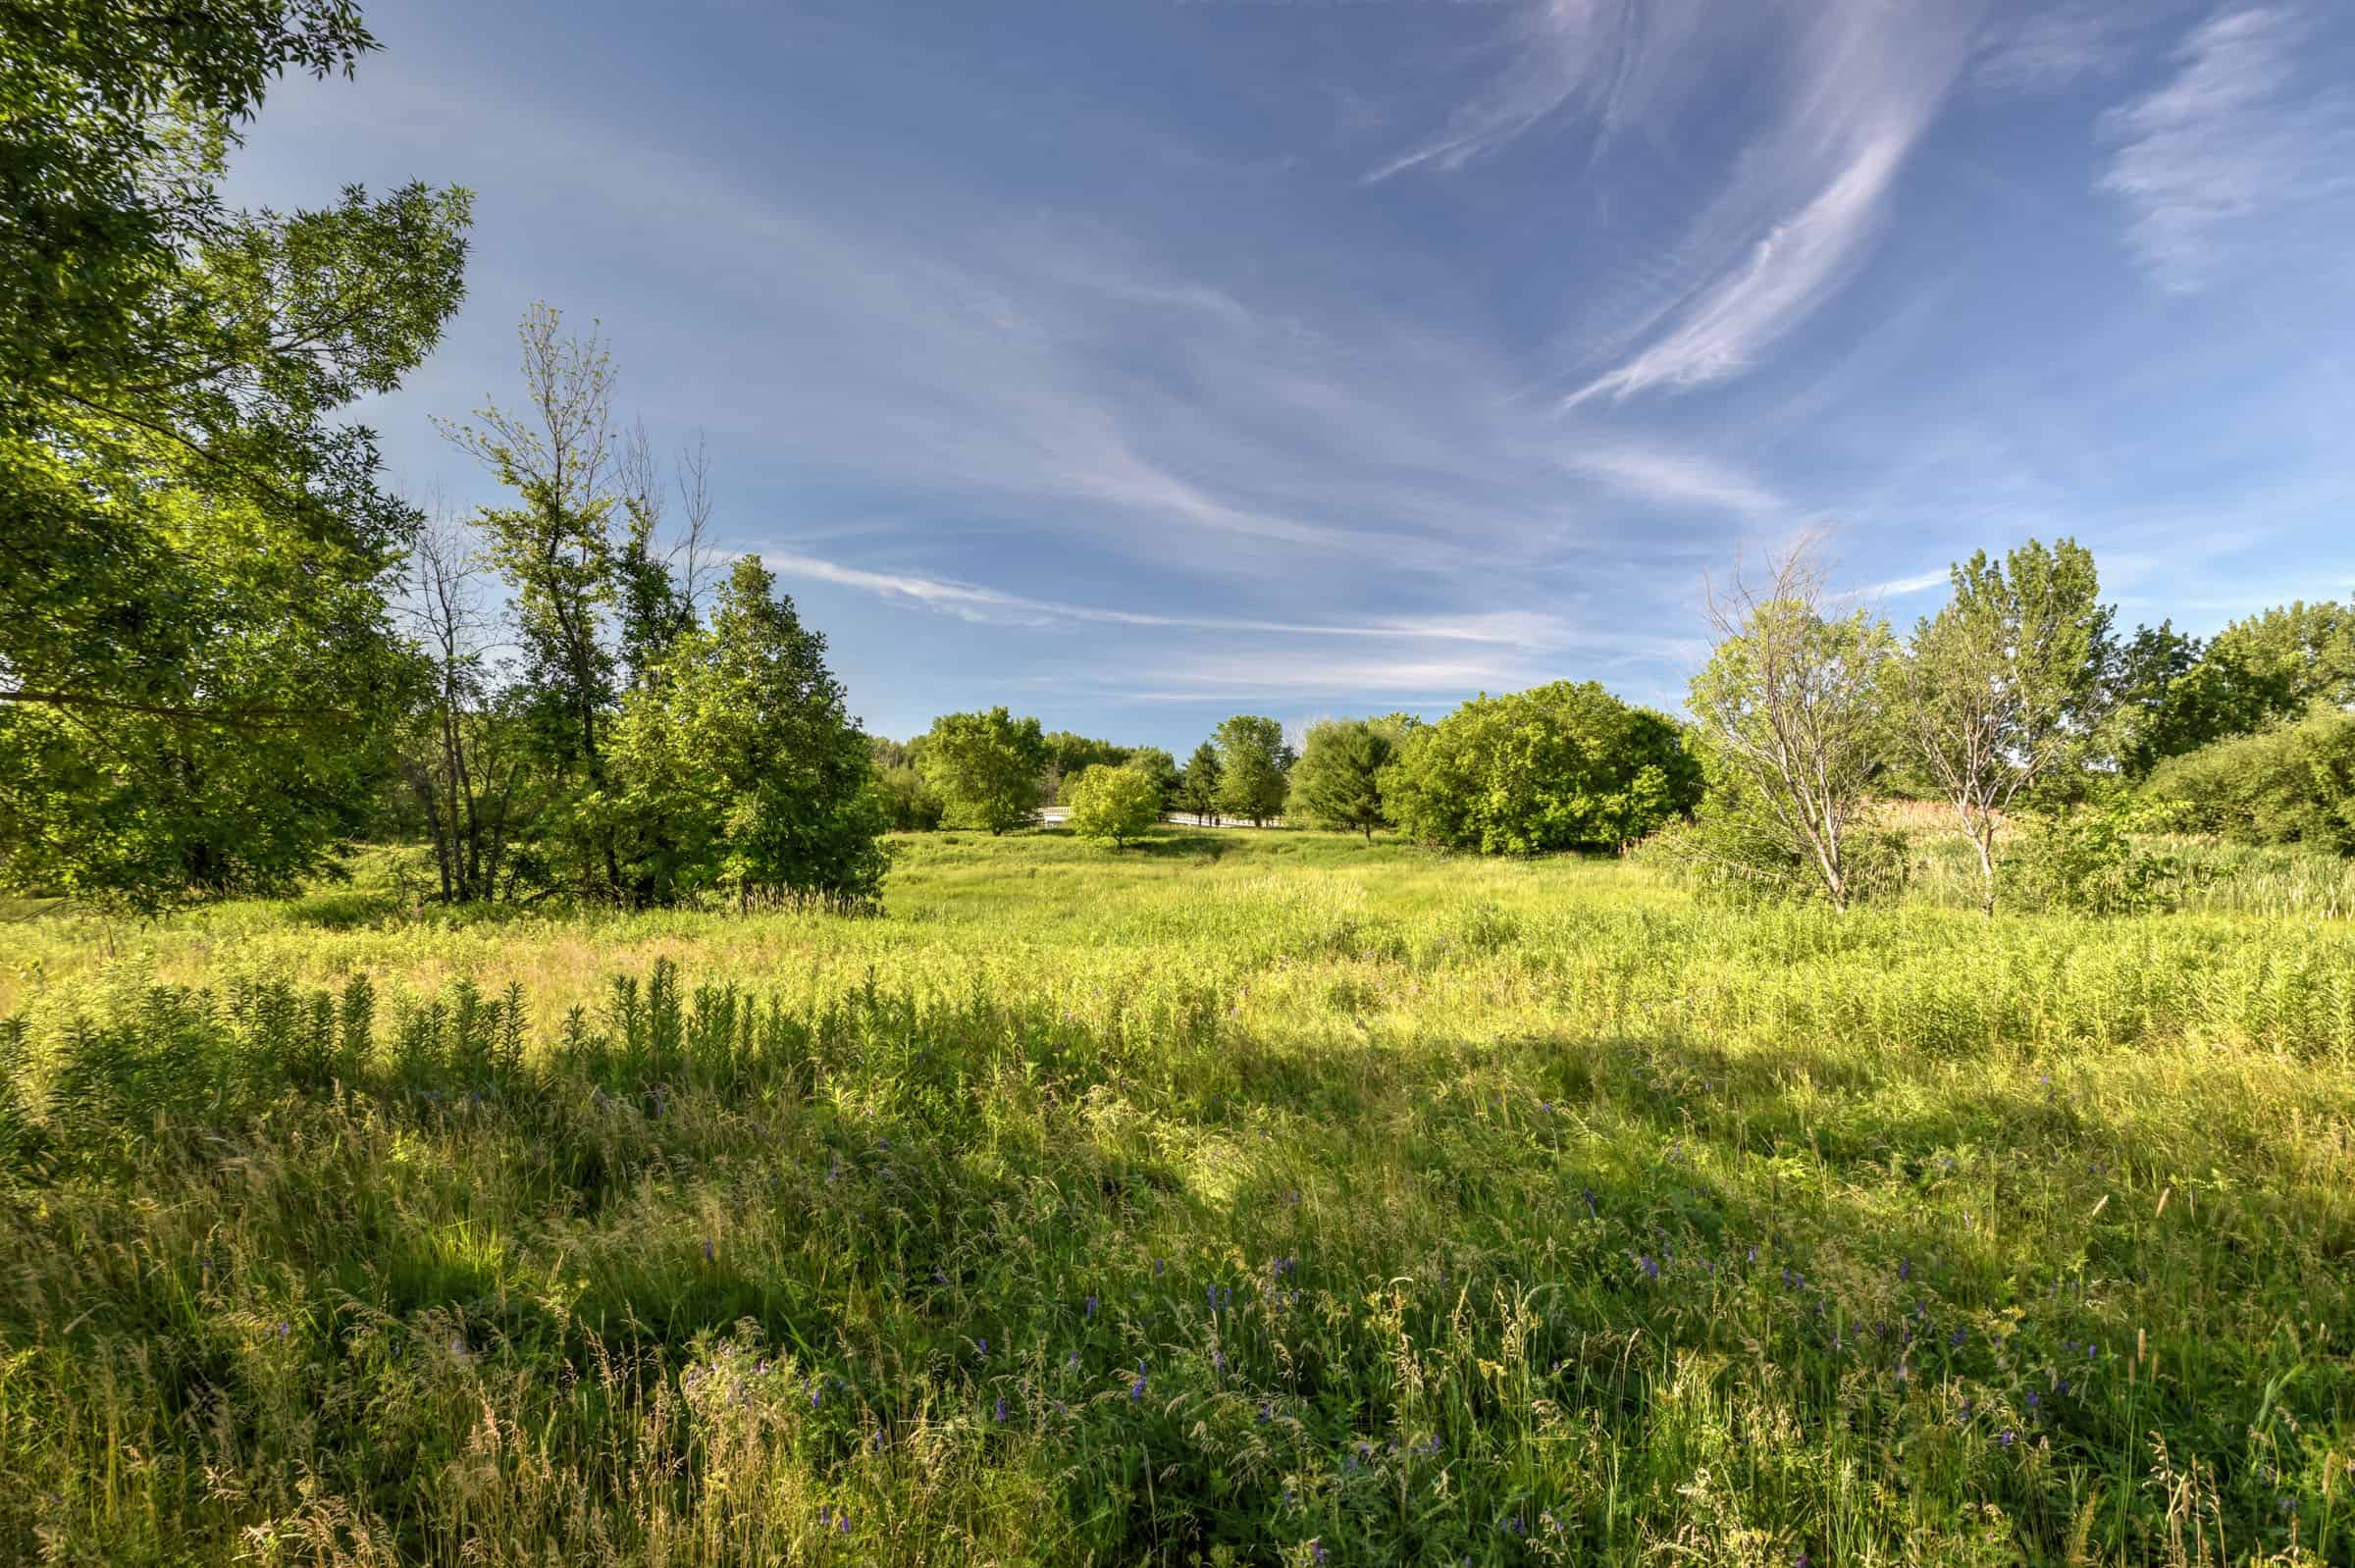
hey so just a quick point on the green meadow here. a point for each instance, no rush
(1250, 1198)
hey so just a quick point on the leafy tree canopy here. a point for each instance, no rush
(986, 767)
(1252, 759)
(1557, 768)
(176, 490)
(1116, 804)
(1338, 781)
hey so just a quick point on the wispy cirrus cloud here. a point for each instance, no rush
(2242, 146)
(1616, 59)
(1862, 82)
(2049, 50)
(996, 607)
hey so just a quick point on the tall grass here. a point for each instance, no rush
(1242, 1199)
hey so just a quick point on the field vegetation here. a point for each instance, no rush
(1242, 1196)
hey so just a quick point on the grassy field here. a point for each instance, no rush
(1238, 1198)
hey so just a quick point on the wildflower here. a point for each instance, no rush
(815, 1389)
(706, 1250)
(1158, 1265)
(1958, 1336)
(1091, 1306)
(1800, 1561)
(842, 1521)
(1136, 1389)
(283, 1328)
(1001, 1407)
(1904, 1270)
(982, 1347)
(2033, 1401)
(1072, 1360)
(1218, 1361)
(2007, 1437)
(1316, 1549)
(1267, 1413)
(1753, 1256)
(1652, 1269)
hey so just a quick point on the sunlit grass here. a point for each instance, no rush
(1250, 1198)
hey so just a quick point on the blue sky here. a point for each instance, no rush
(1135, 362)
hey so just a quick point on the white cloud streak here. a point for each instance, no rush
(989, 605)
(1865, 81)
(2051, 49)
(2239, 143)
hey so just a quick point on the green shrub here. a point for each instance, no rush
(1114, 803)
(2291, 784)
(2093, 860)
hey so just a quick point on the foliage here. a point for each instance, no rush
(739, 770)
(1557, 768)
(2177, 695)
(1162, 768)
(1791, 704)
(2003, 688)
(1252, 759)
(2291, 784)
(910, 804)
(737, 1262)
(1118, 803)
(1337, 782)
(193, 550)
(1735, 852)
(1198, 785)
(2097, 859)
(985, 766)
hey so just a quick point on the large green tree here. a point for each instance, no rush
(986, 767)
(735, 768)
(1198, 784)
(1338, 780)
(2003, 688)
(1252, 759)
(194, 551)
(1561, 766)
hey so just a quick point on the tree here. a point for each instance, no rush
(738, 749)
(461, 760)
(1253, 759)
(986, 767)
(558, 553)
(198, 673)
(2164, 698)
(1561, 766)
(1162, 768)
(1790, 706)
(2002, 687)
(1114, 803)
(1337, 782)
(910, 804)
(1198, 784)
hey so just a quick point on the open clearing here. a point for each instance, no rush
(1240, 1197)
